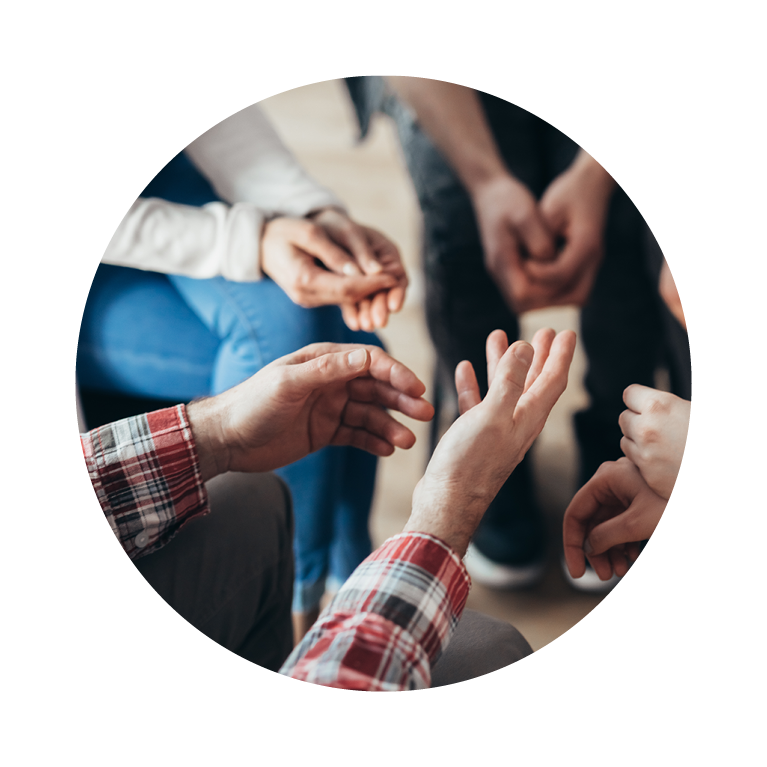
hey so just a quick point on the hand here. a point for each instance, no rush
(290, 249)
(375, 254)
(323, 394)
(654, 435)
(512, 231)
(574, 208)
(482, 448)
(607, 519)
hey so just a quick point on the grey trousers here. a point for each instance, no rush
(230, 574)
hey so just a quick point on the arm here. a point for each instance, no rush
(395, 615)
(511, 226)
(246, 161)
(249, 166)
(148, 471)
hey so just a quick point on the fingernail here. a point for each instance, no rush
(351, 270)
(588, 549)
(524, 353)
(357, 359)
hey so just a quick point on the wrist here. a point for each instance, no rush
(208, 434)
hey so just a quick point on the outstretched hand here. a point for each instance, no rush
(482, 448)
(323, 394)
(608, 518)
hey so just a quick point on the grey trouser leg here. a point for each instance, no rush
(481, 644)
(230, 573)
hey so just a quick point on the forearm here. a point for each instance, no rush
(454, 119)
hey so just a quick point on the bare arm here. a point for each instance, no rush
(453, 117)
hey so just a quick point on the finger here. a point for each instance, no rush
(633, 550)
(366, 320)
(631, 451)
(611, 532)
(385, 368)
(379, 423)
(638, 397)
(314, 240)
(363, 440)
(495, 347)
(396, 298)
(541, 343)
(328, 369)
(322, 287)
(618, 561)
(467, 387)
(350, 316)
(510, 374)
(543, 394)
(358, 241)
(601, 565)
(628, 420)
(578, 515)
(385, 395)
(536, 237)
(379, 309)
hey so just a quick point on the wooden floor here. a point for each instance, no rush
(317, 122)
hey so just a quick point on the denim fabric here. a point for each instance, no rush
(177, 338)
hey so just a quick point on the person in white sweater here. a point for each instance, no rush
(232, 257)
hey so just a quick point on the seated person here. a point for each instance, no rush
(237, 258)
(395, 616)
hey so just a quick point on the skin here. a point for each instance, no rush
(323, 394)
(654, 435)
(490, 438)
(519, 234)
(328, 259)
(607, 519)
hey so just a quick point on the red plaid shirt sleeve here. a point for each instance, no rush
(146, 474)
(390, 621)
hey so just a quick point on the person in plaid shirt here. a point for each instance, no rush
(392, 620)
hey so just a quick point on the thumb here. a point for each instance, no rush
(612, 532)
(328, 369)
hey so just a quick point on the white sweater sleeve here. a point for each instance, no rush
(249, 166)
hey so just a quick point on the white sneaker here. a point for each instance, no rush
(497, 576)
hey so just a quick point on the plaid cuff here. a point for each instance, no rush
(146, 475)
(390, 621)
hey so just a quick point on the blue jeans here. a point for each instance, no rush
(177, 338)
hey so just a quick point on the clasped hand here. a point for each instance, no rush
(545, 253)
(328, 259)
